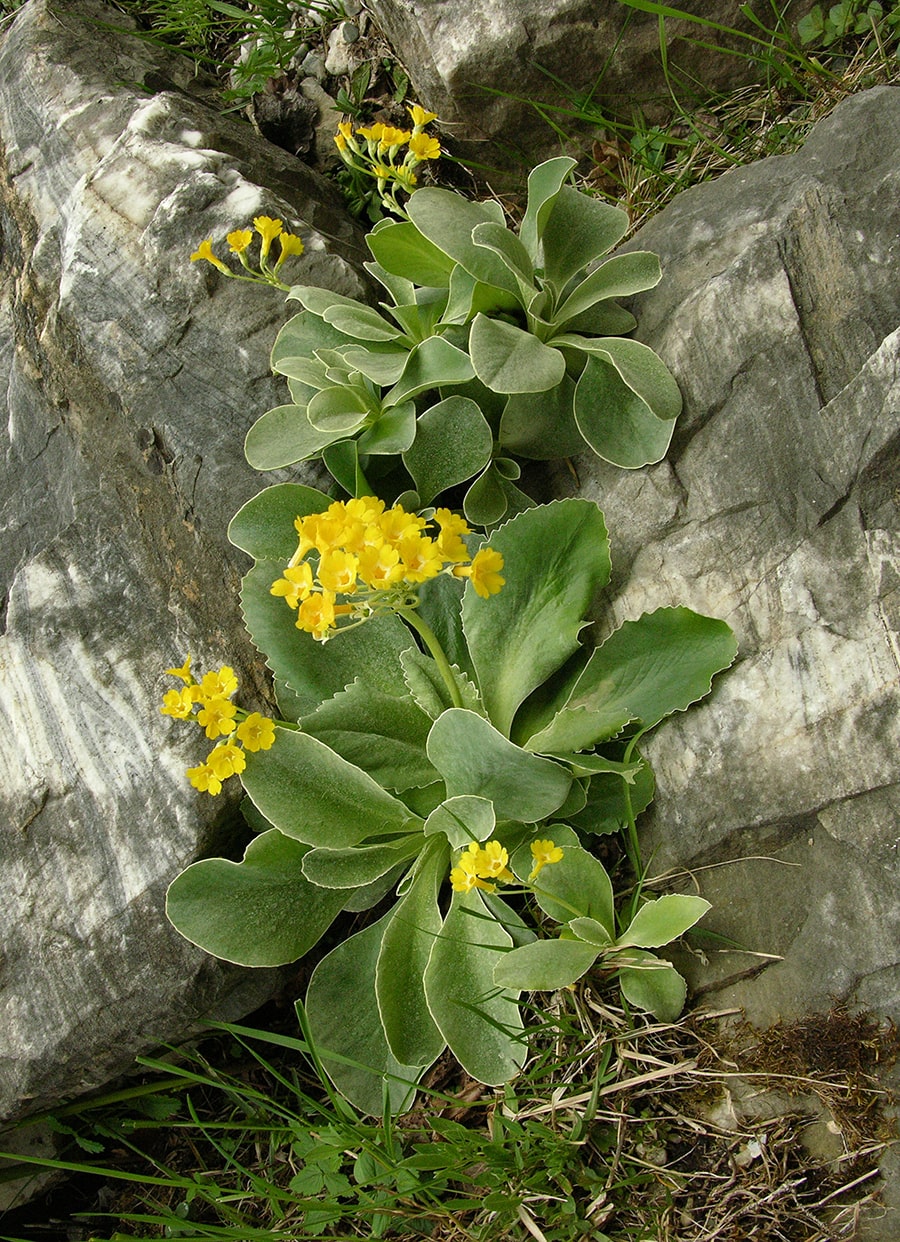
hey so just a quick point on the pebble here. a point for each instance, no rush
(349, 32)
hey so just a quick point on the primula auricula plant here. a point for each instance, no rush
(446, 739)
(489, 345)
(240, 242)
(380, 162)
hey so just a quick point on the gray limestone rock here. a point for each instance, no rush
(480, 63)
(129, 378)
(777, 509)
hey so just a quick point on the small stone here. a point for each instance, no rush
(353, 8)
(349, 32)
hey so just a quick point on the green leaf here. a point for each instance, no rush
(340, 410)
(361, 323)
(468, 296)
(556, 558)
(605, 810)
(579, 230)
(403, 251)
(346, 1027)
(462, 819)
(592, 931)
(314, 671)
(259, 912)
(646, 670)
(576, 886)
(542, 425)
(474, 758)
(661, 921)
(383, 734)
(480, 1021)
(299, 338)
(283, 436)
(382, 368)
(626, 413)
(603, 319)
(544, 185)
(434, 362)
(393, 432)
(447, 220)
(313, 795)
(620, 277)
(486, 502)
(545, 965)
(357, 867)
(507, 359)
(653, 984)
(453, 442)
(499, 239)
(264, 526)
(428, 688)
(408, 939)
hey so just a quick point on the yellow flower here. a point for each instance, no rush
(256, 732)
(205, 251)
(226, 760)
(184, 672)
(218, 684)
(178, 703)
(216, 716)
(424, 147)
(484, 572)
(420, 557)
(491, 861)
(268, 230)
(204, 778)
(544, 853)
(316, 614)
(290, 243)
(295, 585)
(371, 133)
(239, 240)
(391, 137)
(449, 541)
(379, 566)
(419, 116)
(337, 571)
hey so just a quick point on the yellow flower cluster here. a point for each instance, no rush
(366, 558)
(388, 154)
(481, 866)
(209, 704)
(239, 243)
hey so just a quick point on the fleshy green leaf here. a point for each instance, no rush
(406, 947)
(361, 322)
(428, 688)
(579, 230)
(345, 1024)
(485, 502)
(315, 671)
(299, 338)
(264, 526)
(431, 364)
(403, 251)
(453, 442)
(383, 734)
(653, 984)
(447, 220)
(462, 820)
(312, 794)
(605, 810)
(259, 912)
(339, 410)
(499, 239)
(359, 866)
(283, 436)
(661, 921)
(474, 758)
(479, 1020)
(507, 359)
(393, 432)
(592, 931)
(542, 425)
(544, 185)
(646, 670)
(620, 277)
(545, 965)
(556, 558)
(576, 886)
(626, 403)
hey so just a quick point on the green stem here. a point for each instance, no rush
(632, 847)
(429, 638)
